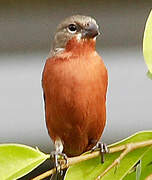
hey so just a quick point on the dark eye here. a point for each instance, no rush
(72, 28)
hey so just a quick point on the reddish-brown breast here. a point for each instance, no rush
(75, 85)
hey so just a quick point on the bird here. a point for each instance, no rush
(74, 82)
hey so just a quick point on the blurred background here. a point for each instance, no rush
(26, 32)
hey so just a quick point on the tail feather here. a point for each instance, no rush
(58, 176)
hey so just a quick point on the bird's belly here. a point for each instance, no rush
(75, 95)
(75, 112)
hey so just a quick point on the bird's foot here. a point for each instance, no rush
(58, 160)
(102, 148)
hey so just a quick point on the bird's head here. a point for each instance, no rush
(74, 32)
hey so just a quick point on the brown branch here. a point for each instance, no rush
(74, 160)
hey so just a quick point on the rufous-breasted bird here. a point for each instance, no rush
(75, 84)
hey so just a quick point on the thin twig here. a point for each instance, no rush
(127, 148)
(74, 160)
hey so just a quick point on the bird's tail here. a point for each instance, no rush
(58, 176)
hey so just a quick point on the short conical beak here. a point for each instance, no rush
(91, 31)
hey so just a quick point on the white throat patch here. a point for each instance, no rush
(79, 37)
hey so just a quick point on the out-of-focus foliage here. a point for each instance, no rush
(147, 45)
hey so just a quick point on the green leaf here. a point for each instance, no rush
(146, 167)
(146, 164)
(17, 160)
(149, 74)
(130, 176)
(147, 44)
(138, 171)
(91, 169)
